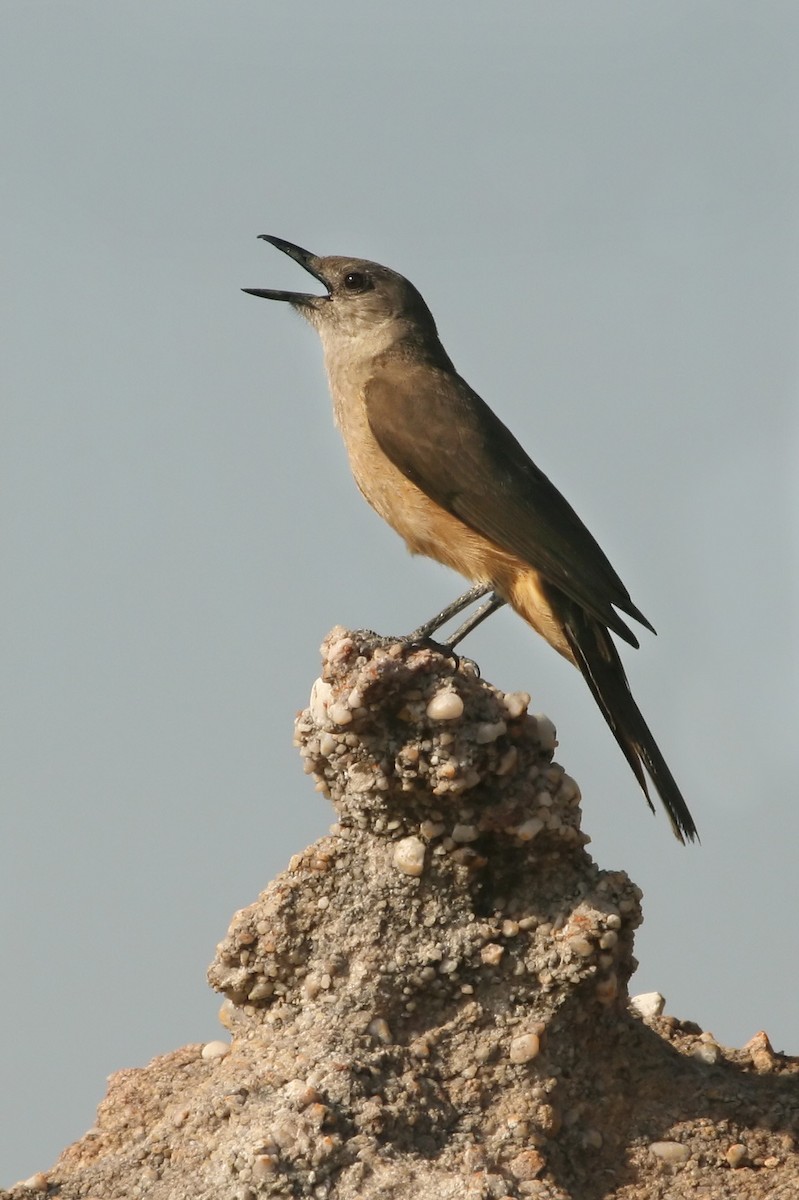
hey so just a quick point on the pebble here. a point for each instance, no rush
(670, 1152)
(37, 1182)
(340, 644)
(648, 1004)
(465, 833)
(339, 713)
(736, 1155)
(527, 1165)
(327, 744)
(409, 856)
(320, 698)
(489, 731)
(547, 734)
(516, 703)
(227, 1013)
(581, 946)
(529, 829)
(524, 1048)
(261, 990)
(264, 1166)
(508, 761)
(379, 1028)
(445, 706)
(491, 954)
(762, 1054)
(212, 1050)
(569, 791)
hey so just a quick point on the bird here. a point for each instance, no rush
(440, 467)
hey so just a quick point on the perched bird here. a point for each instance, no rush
(441, 468)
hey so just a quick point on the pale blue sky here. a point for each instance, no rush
(601, 205)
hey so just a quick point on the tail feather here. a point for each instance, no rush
(598, 659)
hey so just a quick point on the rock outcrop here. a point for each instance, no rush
(431, 1002)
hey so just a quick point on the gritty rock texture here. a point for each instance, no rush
(431, 1002)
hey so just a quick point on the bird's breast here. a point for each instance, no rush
(425, 526)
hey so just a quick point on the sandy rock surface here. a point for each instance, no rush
(431, 1002)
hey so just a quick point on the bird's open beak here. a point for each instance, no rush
(307, 260)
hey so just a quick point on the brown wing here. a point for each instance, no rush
(449, 443)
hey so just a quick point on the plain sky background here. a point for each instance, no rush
(600, 203)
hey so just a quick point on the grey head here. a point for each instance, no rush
(363, 301)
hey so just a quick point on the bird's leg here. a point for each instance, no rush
(488, 607)
(424, 631)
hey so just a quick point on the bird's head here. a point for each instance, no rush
(363, 301)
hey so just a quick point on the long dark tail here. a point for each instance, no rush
(598, 659)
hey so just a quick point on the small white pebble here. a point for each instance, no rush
(648, 1004)
(320, 698)
(489, 731)
(379, 1028)
(409, 856)
(569, 790)
(547, 734)
(581, 946)
(529, 829)
(491, 954)
(516, 704)
(339, 643)
(707, 1052)
(445, 706)
(672, 1152)
(431, 829)
(327, 744)
(339, 713)
(524, 1048)
(37, 1182)
(213, 1050)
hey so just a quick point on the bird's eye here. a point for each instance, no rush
(356, 281)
